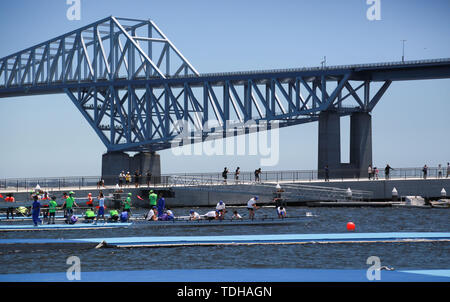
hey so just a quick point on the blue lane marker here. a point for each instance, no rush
(279, 238)
(238, 275)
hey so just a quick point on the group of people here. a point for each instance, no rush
(49, 212)
(237, 173)
(439, 171)
(220, 211)
(158, 210)
(125, 178)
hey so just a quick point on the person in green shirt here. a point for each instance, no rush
(152, 197)
(52, 210)
(69, 203)
(113, 215)
(89, 215)
(127, 204)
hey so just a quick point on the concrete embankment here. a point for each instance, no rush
(231, 194)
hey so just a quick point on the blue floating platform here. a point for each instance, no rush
(238, 275)
(46, 227)
(168, 241)
(273, 239)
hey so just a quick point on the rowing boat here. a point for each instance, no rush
(223, 222)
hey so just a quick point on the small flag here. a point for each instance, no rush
(140, 197)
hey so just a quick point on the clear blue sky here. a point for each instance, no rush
(47, 136)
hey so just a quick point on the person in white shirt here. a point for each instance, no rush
(152, 214)
(211, 215)
(194, 215)
(221, 208)
(101, 208)
(236, 215)
(281, 212)
(251, 207)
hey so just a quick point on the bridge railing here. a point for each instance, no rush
(195, 179)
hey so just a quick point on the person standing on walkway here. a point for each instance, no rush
(425, 171)
(236, 174)
(376, 172)
(439, 171)
(149, 177)
(387, 171)
(448, 170)
(225, 175)
(121, 178)
(370, 171)
(136, 178)
(127, 179)
(36, 211)
(327, 173)
(258, 175)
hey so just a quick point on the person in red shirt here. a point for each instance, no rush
(10, 198)
(90, 202)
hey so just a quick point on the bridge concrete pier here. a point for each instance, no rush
(146, 162)
(329, 145)
(114, 162)
(360, 142)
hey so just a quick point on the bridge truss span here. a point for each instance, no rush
(139, 93)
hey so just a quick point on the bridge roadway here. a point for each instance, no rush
(385, 71)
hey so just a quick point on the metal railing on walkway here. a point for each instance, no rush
(196, 179)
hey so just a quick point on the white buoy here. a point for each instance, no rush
(117, 186)
(394, 194)
(443, 193)
(278, 187)
(349, 193)
(38, 187)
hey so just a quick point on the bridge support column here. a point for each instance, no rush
(112, 164)
(361, 142)
(146, 162)
(330, 145)
(115, 162)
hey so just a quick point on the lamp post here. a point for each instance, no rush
(403, 50)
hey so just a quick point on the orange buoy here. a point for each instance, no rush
(350, 226)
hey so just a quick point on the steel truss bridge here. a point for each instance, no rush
(139, 93)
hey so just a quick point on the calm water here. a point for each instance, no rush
(325, 220)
